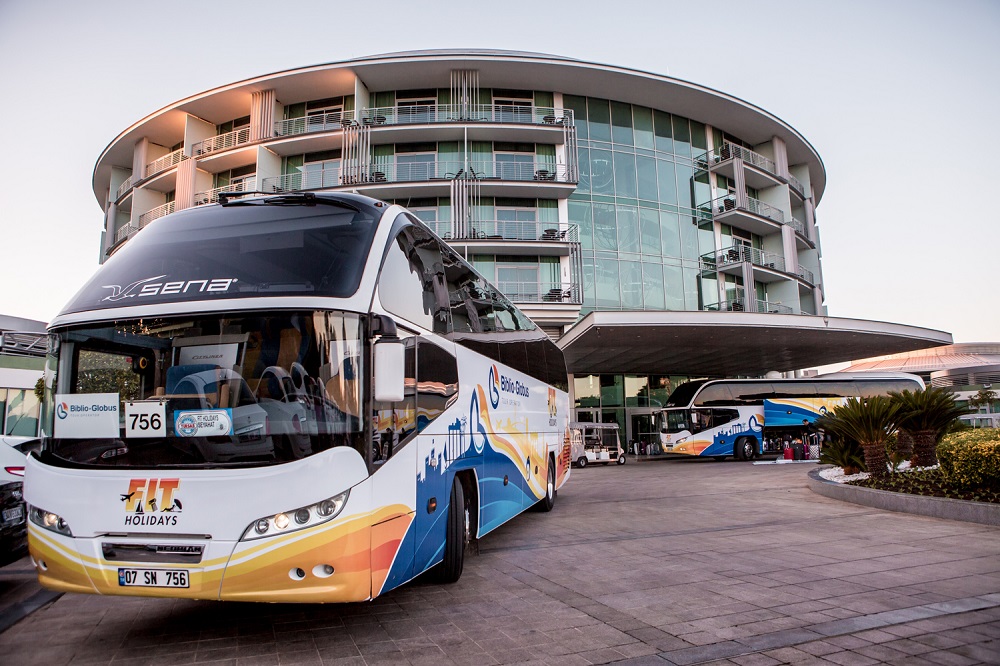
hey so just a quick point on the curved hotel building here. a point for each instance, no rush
(657, 229)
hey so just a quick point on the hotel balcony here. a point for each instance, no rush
(510, 237)
(161, 164)
(755, 216)
(767, 266)
(125, 187)
(156, 213)
(427, 179)
(763, 172)
(429, 122)
(212, 196)
(739, 303)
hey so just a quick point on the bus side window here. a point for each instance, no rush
(437, 382)
(413, 283)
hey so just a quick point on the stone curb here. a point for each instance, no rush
(985, 513)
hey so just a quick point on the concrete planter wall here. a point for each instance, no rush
(985, 513)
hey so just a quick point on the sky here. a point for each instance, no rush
(898, 97)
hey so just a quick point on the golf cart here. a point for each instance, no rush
(595, 443)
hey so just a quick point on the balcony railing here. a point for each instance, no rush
(730, 151)
(165, 162)
(727, 203)
(458, 113)
(541, 292)
(125, 232)
(237, 137)
(158, 212)
(743, 253)
(212, 196)
(796, 185)
(738, 304)
(798, 225)
(418, 172)
(521, 231)
(806, 274)
(125, 187)
(322, 122)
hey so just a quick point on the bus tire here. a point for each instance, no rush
(747, 447)
(548, 501)
(450, 569)
(581, 462)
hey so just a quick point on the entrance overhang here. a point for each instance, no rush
(730, 343)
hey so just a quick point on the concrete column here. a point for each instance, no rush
(139, 158)
(780, 156)
(362, 98)
(810, 220)
(741, 183)
(109, 230)
(268, 166)
(195, 131)
(749, 293)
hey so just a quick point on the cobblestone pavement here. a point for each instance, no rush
(670, 562)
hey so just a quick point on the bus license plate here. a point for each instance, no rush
(152, 578)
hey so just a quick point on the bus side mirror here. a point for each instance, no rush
(390, 368)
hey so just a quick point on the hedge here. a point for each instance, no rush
(971, 458)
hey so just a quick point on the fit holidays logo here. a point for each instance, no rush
(148, 497)
(149, 287)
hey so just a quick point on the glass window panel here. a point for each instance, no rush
(673, 287)
(702, 190)
(3, 406)
(587, 391)
(599, 119)
(589, 285)
(628, 229)
(670, 235)
(602, 172)
(643, 121)
(649, 231)
(625, 177)
(22, 414)
(689, 238)
(580, 212)
(646, 172)
(621, 123)
(605, 227)
(663, 133)
(636, 391)
(682, 136)
(699, 142)
(652, 287)
(691, 289)
(631, 284)
(583, 166)
(612, 391)
(607, 284)
(685, 175)
(666, 177)
(579, 107)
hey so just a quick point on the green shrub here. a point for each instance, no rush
(971, 458)
(845, 453)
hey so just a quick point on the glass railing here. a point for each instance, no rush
(541, 292)
(769, 307)
(156, 213)
(507, 230)
(165, 162)
(392, 172)
(458, 113)
(237, 137)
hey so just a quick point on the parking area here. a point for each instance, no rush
(680, 561)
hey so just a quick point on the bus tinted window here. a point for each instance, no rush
(236, 252)
(412, 284)
(714, 394)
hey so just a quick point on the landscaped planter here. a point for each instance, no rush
(986, 513)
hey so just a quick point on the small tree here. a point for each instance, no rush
(870, 423)
(926, 415)
(985, 397)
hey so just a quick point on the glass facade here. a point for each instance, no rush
(637, 206)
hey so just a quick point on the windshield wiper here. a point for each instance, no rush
(290, 199)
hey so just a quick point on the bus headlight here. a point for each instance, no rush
(307, 516)
(48, 520)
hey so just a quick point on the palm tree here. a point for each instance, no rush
(925, 416)
(869, 422)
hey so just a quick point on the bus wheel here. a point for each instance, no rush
(581, 462)
(747, 447)
(546, 503)
(456, 534)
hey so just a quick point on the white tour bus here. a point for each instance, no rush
(287, 398)
(745, 418)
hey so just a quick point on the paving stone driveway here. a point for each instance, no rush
(683, 562)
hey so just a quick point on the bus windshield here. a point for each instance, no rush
(676, 420)
(239, 388)
(236, 251)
